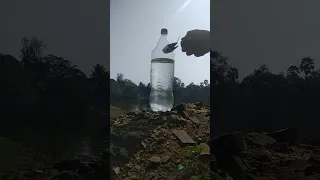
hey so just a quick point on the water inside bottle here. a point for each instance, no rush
(162, 76)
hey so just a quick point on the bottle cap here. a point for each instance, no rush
(164, 31)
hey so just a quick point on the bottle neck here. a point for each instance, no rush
(163, 41)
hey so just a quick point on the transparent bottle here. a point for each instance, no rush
(161, 76)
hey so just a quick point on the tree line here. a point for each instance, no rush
(264, 101)
(125, 90)
(46, 96)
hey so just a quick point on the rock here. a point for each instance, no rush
(165, 159)
(155, 159)
(259, 139)
(284, 135)
(199, 104)
(38, 171)
(183, 137)
(174, 119)
(205, 149)
(190, 106)
(193, 118)
(116, 170)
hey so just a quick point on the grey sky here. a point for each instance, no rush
(135, 30)
(75, 29)
(277, 33)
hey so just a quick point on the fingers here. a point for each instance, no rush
(192, 45)
(189, 34)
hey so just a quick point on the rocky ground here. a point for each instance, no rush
(266, 156)
(143, 145)
(174, 145)
(169, 145)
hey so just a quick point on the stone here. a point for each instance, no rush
(116, 170)
(259, 139)
(193, 118)
(205, 149)
(155, 159)
(165, 159)
(183, 137)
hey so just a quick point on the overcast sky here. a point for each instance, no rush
(135, 30)
(277, 33)
(75, 29)
(249, 32)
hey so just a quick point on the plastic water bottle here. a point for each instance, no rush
(161, 76)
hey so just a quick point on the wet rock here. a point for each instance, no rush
(184, 137)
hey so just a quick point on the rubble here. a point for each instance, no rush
(265, 156)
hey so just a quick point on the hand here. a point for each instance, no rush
(196, 42)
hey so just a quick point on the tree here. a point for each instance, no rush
(232, 75)
(307, 66)
(32, 49)
(206, 82)
(120, 77)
